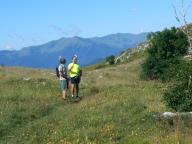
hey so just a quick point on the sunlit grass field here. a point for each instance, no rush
(116, 107)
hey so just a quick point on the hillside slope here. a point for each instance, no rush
(116, 107)
(89, 50)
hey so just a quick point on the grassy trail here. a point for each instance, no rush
(116, 107)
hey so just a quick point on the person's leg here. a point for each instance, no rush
(77, 80)
(64, 94)
(72, 86)
(64, 88)
(72, 89)
(77, 89)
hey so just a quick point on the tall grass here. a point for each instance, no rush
(116, 107)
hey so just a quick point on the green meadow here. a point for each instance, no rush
(116, 107)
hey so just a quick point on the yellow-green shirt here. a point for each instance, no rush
(74, 71)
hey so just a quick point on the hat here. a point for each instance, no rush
(62, 60)
(74, 58)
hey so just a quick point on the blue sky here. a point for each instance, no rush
(33, 22)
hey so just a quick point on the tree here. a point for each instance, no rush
(179, 96)
(110, 59)
(186, 27)
(164, 49)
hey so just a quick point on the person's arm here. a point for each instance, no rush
(70, 67)
(80, 72)
(60, 70)
(64, 72)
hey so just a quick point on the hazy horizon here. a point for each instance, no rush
(27, 23)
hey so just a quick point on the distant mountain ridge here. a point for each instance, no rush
(89, 50)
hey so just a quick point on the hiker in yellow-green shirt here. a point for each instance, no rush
(75, 73)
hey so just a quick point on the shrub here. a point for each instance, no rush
(110, 59)
(179, 96)
(164, 49)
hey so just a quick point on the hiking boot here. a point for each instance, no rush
(78, 97)
(73, 97)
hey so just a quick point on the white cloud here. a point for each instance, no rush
(8, 46)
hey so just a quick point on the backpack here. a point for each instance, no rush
(57, 72)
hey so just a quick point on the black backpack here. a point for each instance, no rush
(57, 72)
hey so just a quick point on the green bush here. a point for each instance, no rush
(110, 59)
(179, 96)
(164, 49)
(165, 62)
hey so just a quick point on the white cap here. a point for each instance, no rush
(75, 55)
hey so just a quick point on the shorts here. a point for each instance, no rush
(63, 84)
(75, 80)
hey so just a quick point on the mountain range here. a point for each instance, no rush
(89, 50)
